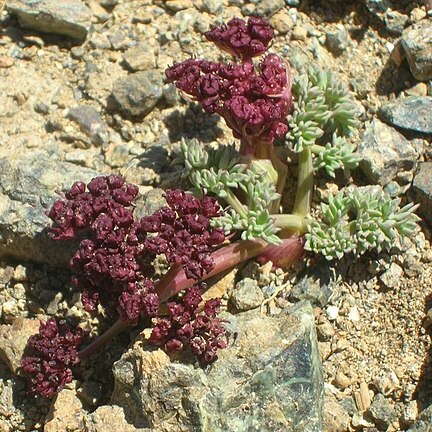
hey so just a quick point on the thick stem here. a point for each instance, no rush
(104, 338)
(304, 183)
(282, 170)
(235, 203)
(175, 279)
(294, 223)
(224, 259)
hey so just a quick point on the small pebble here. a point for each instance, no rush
(299, 33)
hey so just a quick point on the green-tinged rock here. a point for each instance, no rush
(269, 379)
(28, 187)
(422, 188)
(411, 114)
(66, 17)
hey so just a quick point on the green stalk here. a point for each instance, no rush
(292, 222)
(304, 183)
(235, 203)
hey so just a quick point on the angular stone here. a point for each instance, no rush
(108, 416)
(65, 414)
(422, 189)
(13, 340)
(385, 152)
(382, 412)
(28, 187)
(269, 379)
(411, 114)
(424, 421)
(247, 295)
(315, 286)
(90, 122)
(267, 8)
(417, 43)
(140, 58)
(67, 17)
(138, 93)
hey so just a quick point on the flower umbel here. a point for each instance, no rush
(53, 352)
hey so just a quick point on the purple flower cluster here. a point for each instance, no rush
(183, 328)
(241, 39)
(55, 351)
(254, 103)
(109, 265)
(106, 195)
(183, 232)
(113, 265)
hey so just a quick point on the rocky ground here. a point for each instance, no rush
(90, 98)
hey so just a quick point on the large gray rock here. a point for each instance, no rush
(385, 152)
(417, 43)
(422, 188)
(66, 17)
(411, 114)
(138, 93)
(269, 379)
(28, 186)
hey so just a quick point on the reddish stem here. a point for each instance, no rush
(175, 279)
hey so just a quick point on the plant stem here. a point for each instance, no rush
(235, 203)
(292, 222)
(175, 279)
(104, 338)
(224, 259)
(304, 183)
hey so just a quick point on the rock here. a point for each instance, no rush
(13, 340)
(138, 93)
(341, 380)
(392, 277)
(385, 152)
(424, 421)
(66, 413)
(422, 189)
(90, 122)
(269, 379)
(67, 17)
(247, 295)
(108, 416)
(282, 22)
(337, 40)
(213, 7)
(150, 202)
(411, 114)
(336, 419)
(392, 19)
(140, 58)
(28, 185)
(315, 286)
(267, 8)
(417, 43)
(325, 330)
(299, 33)
(382, 412)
